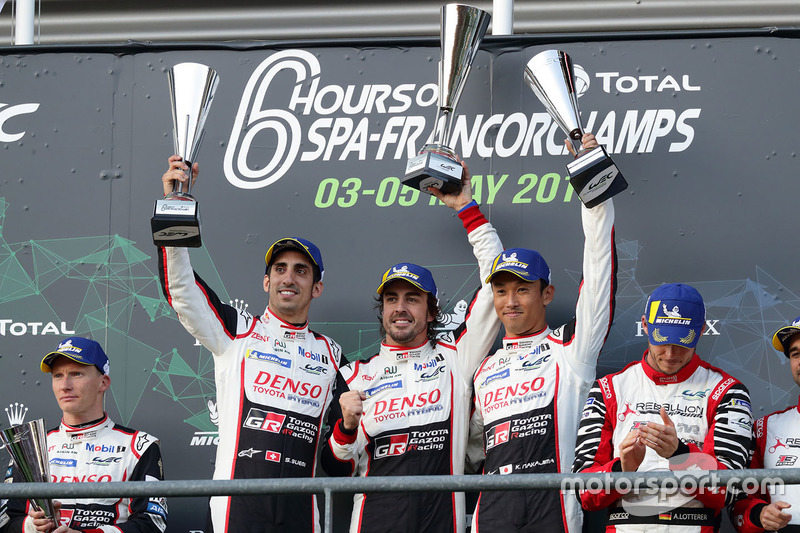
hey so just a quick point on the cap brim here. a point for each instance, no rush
(520, 275)
(781, 335)
(293, 244)
(399, 278)
(46, 365)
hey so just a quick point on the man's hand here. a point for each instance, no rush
(772, 519)
(352, 408)
(177, 172)
(588, 142)
(43, 524)
(661, 437)
(458, 200)
(631, 451)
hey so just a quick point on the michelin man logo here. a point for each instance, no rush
(512, 257)
(675, 313)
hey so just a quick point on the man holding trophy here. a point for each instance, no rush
(407, 408)
(89, 447)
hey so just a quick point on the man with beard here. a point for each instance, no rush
(275, 378)
(407, 408)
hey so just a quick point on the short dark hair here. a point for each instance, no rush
(433, 309)
(290, 246)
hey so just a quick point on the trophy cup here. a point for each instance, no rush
(463, 28)
(27, 444)
(176, 219)
(593, 174)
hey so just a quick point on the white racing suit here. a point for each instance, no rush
(777, 443)
(713, 420)
(529, 394)
(417, 411)
(98, 453)
(275, 382)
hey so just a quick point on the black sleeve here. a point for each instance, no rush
(148, 515)
(331, 465)
(13, 511)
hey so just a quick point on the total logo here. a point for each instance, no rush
(19, 329)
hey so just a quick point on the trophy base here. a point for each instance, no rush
(595, 177)
(434, 169)
(176, 223)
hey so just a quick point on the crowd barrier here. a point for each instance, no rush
(741, 479)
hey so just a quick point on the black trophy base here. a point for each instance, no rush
(595, 177)
(176, 223)
(432, 169)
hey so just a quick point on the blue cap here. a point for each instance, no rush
(780, 340)
(675, 314)
(80, 350)
(526, 264)
(301, 245)
(416, 275)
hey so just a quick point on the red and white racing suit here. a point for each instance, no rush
(529, 394)
(416, 412)
(777, 438)
(713, 420)
(275, 382)
(96, 453)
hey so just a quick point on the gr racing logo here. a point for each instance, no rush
(391, 446)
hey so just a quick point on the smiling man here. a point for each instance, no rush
(528, 395)
(407, 408)
(669, 411)
(89, 447)
(275, 378)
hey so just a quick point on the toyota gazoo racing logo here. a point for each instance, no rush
(381, 121)
(264, 420)
(497, 435)
(392, 445)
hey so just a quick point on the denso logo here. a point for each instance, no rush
(391, 446)
(266, 382)
(90, 478)
(7, 112)
(406, 402)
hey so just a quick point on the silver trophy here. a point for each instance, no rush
(436, 165)
(176, 219)
(27, 444)
(593, 174)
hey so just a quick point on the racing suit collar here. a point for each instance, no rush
(269, 315)
(77, 430)
(524, 342)
(404, 353)
(659, 378)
